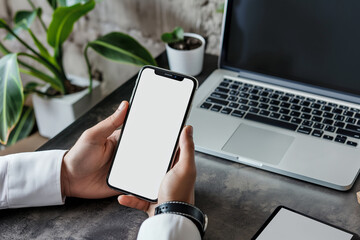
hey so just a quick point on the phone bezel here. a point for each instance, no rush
(275, 212)
(171, 75)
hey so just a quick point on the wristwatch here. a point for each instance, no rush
(187, 210)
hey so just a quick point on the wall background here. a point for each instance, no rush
(143, 20)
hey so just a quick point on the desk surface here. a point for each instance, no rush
(237, 198)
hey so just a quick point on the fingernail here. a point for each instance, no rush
(122, 106)
(190, 130)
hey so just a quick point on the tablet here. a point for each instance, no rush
(285, 223)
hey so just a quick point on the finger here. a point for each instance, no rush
(133, 202)
(106, 127)
(187, 149)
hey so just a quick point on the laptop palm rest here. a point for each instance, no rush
(258, 144)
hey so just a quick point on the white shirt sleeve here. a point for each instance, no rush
(31, 179)
(168, 226)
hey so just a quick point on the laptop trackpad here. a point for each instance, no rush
(258, 144)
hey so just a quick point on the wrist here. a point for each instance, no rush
(64, 180)
(186, 210)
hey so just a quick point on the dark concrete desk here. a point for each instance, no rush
(237, 198)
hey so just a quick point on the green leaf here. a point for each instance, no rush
(24, 126)
(121, 47)
(43, 51)
(23, 21)
(2, 23)
(63, 22)
(11, 95)
(175, 36)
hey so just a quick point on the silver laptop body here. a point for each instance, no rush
(287, 147)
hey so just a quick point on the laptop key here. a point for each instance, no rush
(328, 137)
(285, 118)
(306, 110)
(219, 95)
(224, 84)
(316, 119)
(339, 124)
(244, 107)
(226, 110)
(275, 115)
(330, 128)
(254, 110)
(305, 116)
(222, 90)
(270, 121)
(304, 130)
(215, 108)
(295, 114)
(263, 106)
(264, 113)
(340, 139)
(237, 113)
(285, 105)
(328, 121)
(348, 133)
(349, 113)
(217, 101)
(339, 118)
(233, 98)
(337, 110)
(328, 115)
(253, 104)
(284, 111)
(326, 108)
(274, 109)
(205, 105)
(353, 127)
(234, 105)
(318, 125)
(308, 123)
(296, 120)
(351, 143)
(317, 133)
(234, 92)
(350, 120)
(243, 101)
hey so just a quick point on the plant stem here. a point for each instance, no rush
(88, 66)
(40, 19)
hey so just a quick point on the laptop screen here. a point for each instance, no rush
(314, 42)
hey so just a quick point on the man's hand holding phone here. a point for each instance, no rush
(178, 184)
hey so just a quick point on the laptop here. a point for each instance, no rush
(286, 95)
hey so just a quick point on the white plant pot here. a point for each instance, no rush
(56, 113)
(188, 62)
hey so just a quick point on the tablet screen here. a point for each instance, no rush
(287, 224)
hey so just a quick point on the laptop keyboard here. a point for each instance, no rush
(309, 116)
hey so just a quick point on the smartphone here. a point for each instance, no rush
(158, 109)
(285, 223)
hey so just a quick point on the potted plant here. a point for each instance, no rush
(55, 82)
(185, 51)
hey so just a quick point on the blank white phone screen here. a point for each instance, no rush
(154, 121)
(290, 225)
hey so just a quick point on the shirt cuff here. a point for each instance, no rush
(168, 226)
(33, 179)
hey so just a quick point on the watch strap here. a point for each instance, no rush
(187, 210)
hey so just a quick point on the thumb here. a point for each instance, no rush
(187, 151)
(106, 127)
